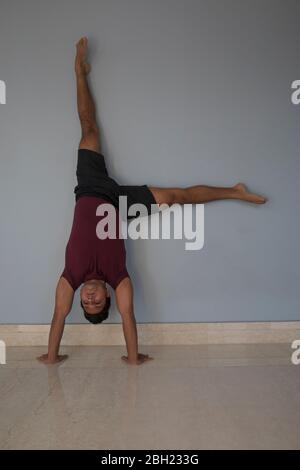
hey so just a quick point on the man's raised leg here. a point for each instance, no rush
(90, 138)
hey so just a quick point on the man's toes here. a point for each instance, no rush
(256, 198)
(81, 43)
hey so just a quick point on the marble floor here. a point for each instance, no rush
(188, 397)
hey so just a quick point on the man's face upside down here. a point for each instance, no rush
(94, 296)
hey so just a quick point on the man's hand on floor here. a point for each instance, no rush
(46, 360)
(140, 359)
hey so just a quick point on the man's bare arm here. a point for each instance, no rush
(63, 304)
(124, 298)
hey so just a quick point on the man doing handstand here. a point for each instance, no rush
(92, 263)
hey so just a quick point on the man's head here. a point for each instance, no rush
(95, 300)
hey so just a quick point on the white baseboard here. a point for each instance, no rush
(156, 333)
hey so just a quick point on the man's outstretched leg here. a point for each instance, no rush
(202, 194)
(86, 107)
(90, 140)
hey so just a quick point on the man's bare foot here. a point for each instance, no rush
(82, 67)
(243, 194)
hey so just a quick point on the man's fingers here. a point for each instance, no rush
(148, 358)
(63, 357)
(42, 357)
(141, 359)
(145, 359)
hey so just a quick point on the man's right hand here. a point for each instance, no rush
(46, 360)
(137, 361)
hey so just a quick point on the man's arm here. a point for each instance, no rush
(63, 304)
(124, 298)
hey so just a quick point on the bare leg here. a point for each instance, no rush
(85, 103)
(203, 194)
(90, 140)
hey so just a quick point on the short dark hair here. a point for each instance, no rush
(100, 316)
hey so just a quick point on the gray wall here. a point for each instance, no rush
(194, 91)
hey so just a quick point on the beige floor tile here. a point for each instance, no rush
(190, 397)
